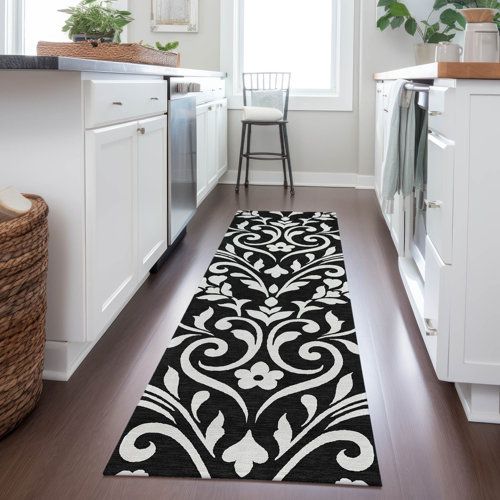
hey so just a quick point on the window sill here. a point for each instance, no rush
(306, 103)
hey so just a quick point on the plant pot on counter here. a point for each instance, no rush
(425, 53)
(474, 16)
(108, 38)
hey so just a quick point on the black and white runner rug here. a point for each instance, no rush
(262, 379)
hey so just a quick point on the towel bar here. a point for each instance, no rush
(418, 87)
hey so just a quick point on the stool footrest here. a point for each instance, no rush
(265, 156)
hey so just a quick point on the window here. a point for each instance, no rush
(312, 39)
(289, 37)
(42, 21)
(29, 21)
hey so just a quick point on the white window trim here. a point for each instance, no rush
(11, 21)
(341, 100)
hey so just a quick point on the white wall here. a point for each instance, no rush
(198, 50)
(325, 143)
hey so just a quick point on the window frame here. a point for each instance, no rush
(338, 99)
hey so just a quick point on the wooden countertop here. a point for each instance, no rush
(458, 71)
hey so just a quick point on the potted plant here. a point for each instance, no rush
(478, 11)
(440, 26)
(96, 20)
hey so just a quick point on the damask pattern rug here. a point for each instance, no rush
(262, 379)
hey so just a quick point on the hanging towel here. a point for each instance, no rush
(401, 146)
(391, 180)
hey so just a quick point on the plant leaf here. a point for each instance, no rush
(411, 26)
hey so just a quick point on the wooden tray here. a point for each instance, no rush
(118, 52)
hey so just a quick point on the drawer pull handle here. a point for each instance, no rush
(155, 98)
(435, 113)
(433, 204)
(141, 130)
(430, 329)
(117, 103)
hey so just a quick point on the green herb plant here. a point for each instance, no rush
(440, 26)
(166, 47)
(97, 19)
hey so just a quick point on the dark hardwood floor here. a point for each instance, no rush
(427, 450)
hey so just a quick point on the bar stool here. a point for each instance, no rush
(265, 103)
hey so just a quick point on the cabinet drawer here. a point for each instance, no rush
(442, 110)
(439, 200)
(108, 102)
(436, 309)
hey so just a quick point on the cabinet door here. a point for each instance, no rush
(222, 138)
(151, 192)
(212, 146)
(379, 138)
(202, 152)
(111, 250)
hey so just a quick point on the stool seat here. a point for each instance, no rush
(259, 114)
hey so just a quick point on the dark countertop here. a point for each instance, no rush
(90, 65)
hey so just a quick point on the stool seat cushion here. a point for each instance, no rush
(259, 114)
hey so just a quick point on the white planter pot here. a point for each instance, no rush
(425, 53)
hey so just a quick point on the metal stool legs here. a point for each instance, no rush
(284, 156)
(287, 146)
(248, 154)
(242, 148)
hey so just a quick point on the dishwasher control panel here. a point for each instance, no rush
(204, 89)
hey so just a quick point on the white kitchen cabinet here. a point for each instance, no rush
(76, 138)
(111, 206)
(221, 113)
(151, 192)
(454, 298)
(212, 146)
(126, 193)
(379, 138)
(202, 152)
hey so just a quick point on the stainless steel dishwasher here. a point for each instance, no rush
(181, 160)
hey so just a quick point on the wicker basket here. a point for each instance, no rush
(23, 273)
(118, 52)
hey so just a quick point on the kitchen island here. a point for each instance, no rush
(444, 233)
(92, 138)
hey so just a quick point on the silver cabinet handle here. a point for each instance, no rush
(435, 113)
(433, 204)
(155, 98)
(117, 103)
(141, 130)
(430, 329)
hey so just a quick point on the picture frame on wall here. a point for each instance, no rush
(174, 16)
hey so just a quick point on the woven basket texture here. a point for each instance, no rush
(23, 305)
(118, 52)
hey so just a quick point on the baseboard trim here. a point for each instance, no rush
(305, 179)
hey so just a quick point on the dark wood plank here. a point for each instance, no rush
(426, 448)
